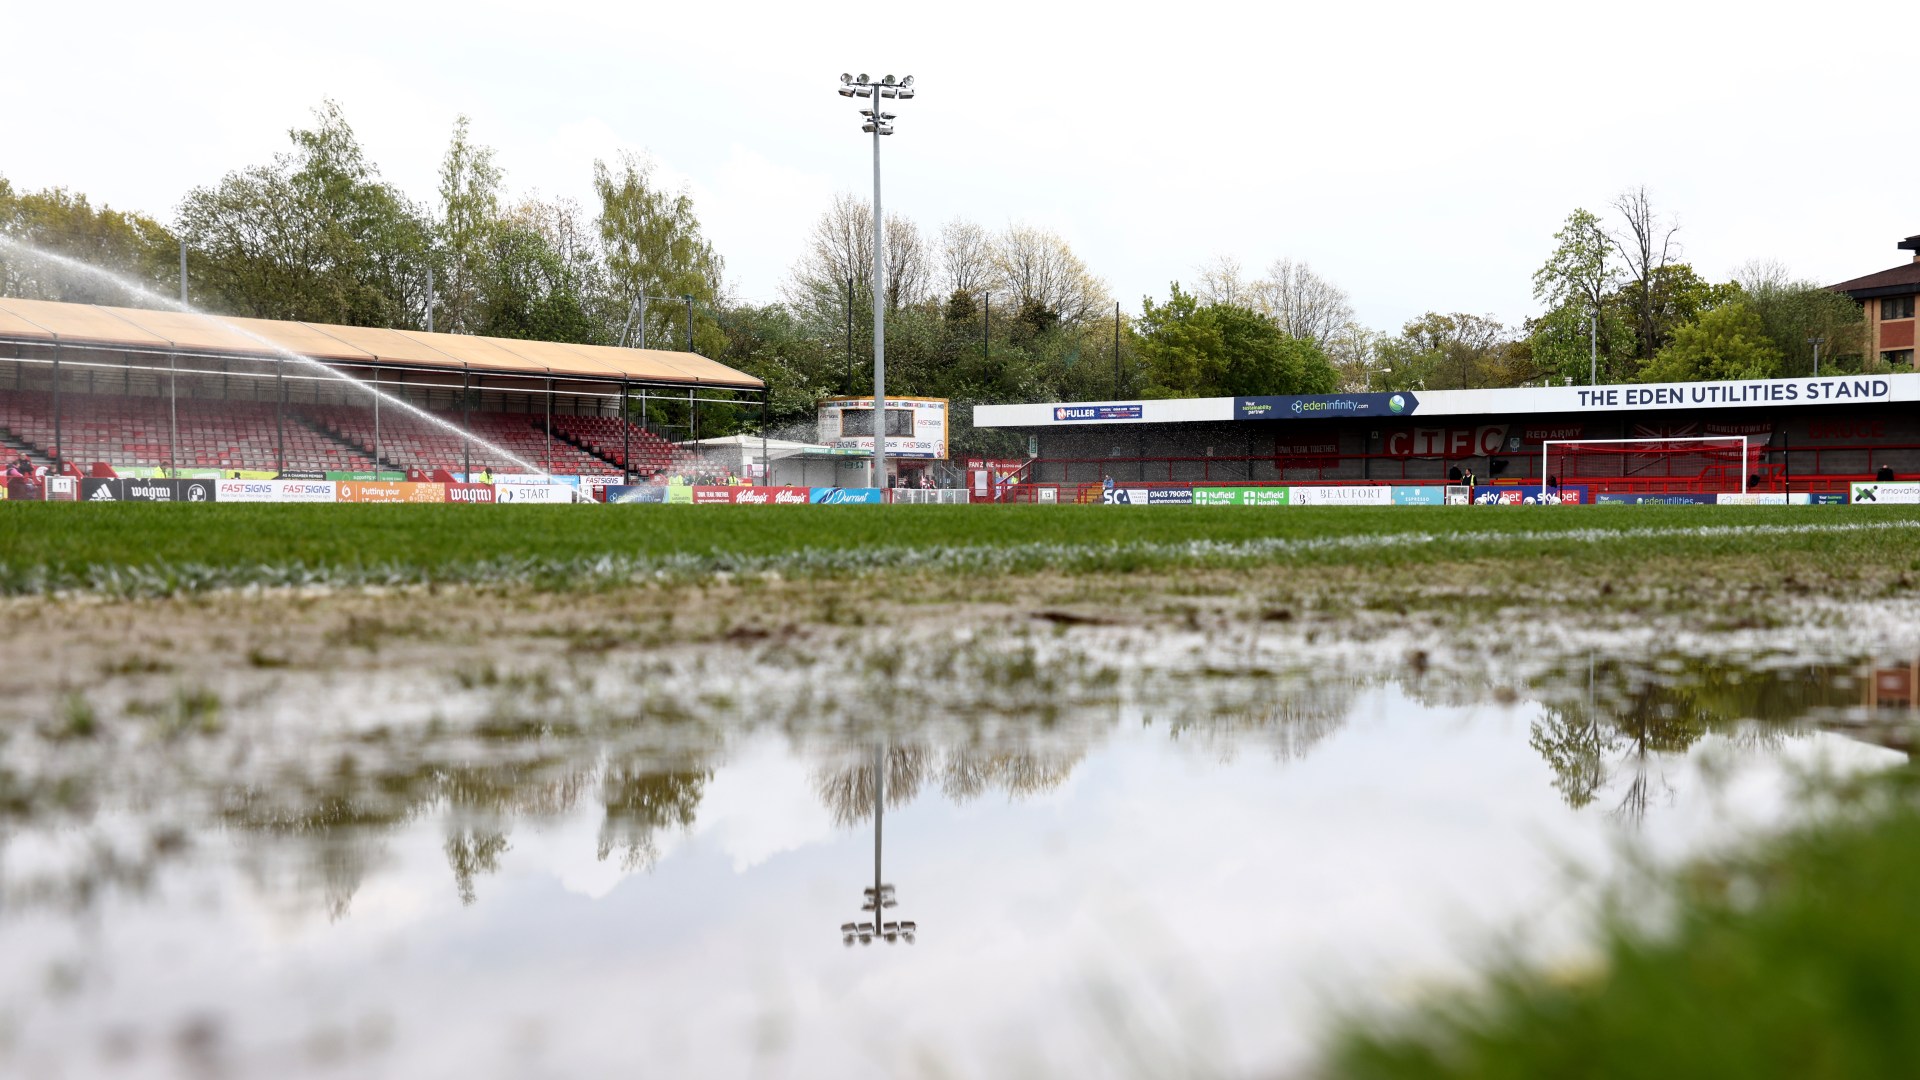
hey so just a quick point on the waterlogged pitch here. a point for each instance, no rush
(395, 790)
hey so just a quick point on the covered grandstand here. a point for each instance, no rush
(1802, 435)
(135, 391)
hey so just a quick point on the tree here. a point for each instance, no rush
(469, 215)
(315, 236)
(64, 223)
(966, 259)
(1574, 284)
(1456, 351)
(1727, 342)
(1044, 278)
(1794, 311)
(1215, 350)
(841, 250)
(1300, 302)
(652, 245)
(1646, 247)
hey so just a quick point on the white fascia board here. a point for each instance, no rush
(1637, 397)
(1072, 413)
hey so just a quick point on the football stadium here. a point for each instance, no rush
(708, 710)
(119, 403)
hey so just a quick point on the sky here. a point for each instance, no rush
(1419, 156)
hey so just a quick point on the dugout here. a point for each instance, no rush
(135, 390)
(1802, 434)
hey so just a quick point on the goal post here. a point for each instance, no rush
(1654, 446)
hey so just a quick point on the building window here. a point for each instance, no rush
(1896, 307)
(1898, 358)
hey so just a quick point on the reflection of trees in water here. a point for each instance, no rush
(847, 790)
(641, 799)
(1288, 718)
(968, 772)
(472, 852)
(1633, 717)
(963, 773)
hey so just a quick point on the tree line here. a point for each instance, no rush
(975, 314)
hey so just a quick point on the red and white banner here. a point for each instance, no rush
(469, 493)
(752, 496)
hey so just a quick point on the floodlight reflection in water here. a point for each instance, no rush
(497, 900)
(134, 288)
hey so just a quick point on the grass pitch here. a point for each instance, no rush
(164, 549)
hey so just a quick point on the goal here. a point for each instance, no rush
(1671, 462)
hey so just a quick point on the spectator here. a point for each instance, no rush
(1885, 473)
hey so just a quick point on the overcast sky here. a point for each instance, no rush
(1418, 155)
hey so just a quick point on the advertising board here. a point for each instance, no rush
(1325, 406)
(1885, 494)
(1147, 496)
(916, 427)
(469, 493)
(1758, 498)
(704, 494)
(1667, 498)
(1530, 495)
(772, 496)
(1242, 496)
(1419, 494)
(1342, 495)
(533, 493)
(637, 493)
(65, 488)
(135, 489)
(376, 491)
(274, 491)
(864, 496)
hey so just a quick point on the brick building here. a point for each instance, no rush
(1889, 298)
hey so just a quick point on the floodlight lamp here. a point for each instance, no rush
(845, 78)
(889, 92)
(862, 80)
(888, 80)
(908, 81)
(888, 116)
(868, 128)
(905, 93)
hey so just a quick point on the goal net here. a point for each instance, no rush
(1671, 463)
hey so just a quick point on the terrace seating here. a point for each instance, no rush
(407, 440)
(611, 436)
(131, 431)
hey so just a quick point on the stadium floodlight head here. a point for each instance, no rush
(845, 78)
(862, 80)
(848, 91)
(888, 80)
(908, 81)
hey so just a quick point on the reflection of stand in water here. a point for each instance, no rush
(879, 895)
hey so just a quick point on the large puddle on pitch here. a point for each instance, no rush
(1094, 861)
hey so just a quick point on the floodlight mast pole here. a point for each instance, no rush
(877, 124)
(879, 469)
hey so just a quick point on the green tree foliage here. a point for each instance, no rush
(65, 223)
(1452, 352)
(314, 236)
(652, 246)
(1727, 342)
(1794, 311)
(465, 236)
(1223, 349)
